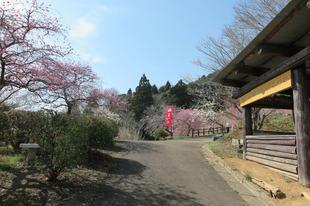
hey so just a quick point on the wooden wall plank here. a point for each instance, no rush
(271, 137)
(273, 142)
(276, 159)
(277, 165)
(273, 153)
(279, 148)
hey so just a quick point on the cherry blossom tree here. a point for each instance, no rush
(66, 84)
(29, 36)
(106, 102)
(187, 119)
(109, 99)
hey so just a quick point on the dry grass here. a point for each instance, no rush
(128, 133)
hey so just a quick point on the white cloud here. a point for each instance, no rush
(82, 28)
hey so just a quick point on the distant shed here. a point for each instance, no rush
(273, 71)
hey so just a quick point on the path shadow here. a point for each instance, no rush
(126, 146)
(138, 146)
(112, 165)
(108, 181)
(123, 189)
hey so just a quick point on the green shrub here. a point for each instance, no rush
(160, 133)
(64, 139)
(18, 126)
(64, 143)
(101, 132)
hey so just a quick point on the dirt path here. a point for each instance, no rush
(165, 173)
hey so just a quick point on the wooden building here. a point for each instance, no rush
(273, 71)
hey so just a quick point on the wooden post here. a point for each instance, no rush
(247, 126)
(301, 94)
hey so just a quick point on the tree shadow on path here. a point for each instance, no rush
(104, 181)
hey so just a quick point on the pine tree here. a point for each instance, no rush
(129, 96)
(154, 89)
(165, 88)
(129, 92)
(143, 98)
(180, 96)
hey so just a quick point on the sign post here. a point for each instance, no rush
(169, 118)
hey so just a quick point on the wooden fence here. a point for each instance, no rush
(275, 151)
(203, 132)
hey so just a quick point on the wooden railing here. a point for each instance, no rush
(204, 132)
(275, 151)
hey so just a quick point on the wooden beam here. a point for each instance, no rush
(249, 70)
(233, 83)
(247, 127)
(275, 102)
(277, 50)
(290, 63)
(301, 94)
(273, 86)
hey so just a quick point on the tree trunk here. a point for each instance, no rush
(69, 109)
(2, 82)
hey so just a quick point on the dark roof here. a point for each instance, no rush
(287, 34)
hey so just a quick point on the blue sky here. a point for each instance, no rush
(122, 39)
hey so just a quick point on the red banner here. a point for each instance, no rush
(168, 120)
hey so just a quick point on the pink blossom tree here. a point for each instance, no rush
(108, 99)
(187, 119)
(66, 84)
(28, 37)
(107, 103)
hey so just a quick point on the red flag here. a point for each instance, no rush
(168, 120)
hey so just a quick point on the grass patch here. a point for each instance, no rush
(10, 160)
(223, 147)
(248, 177)
(213, 145)
(6, 150)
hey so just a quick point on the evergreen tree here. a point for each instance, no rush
(180, 96)
(129, 92)
(165, 88)
(143, 98)
(129, 96)
(154, 89)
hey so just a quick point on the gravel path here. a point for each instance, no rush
(165, 173)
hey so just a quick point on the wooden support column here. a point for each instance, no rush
(247, 126)
(301, 94)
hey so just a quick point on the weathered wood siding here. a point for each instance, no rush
(276, 151)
